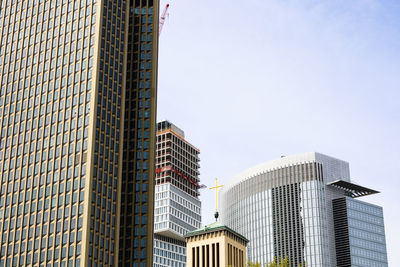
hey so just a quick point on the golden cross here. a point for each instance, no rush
(216, 193)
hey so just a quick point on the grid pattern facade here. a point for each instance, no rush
(101, 234)
(360, 234)
(175, 211)
(169, 252)
(47, 56)
(177, 208)
(136, 236)
(288, 208)
(64, 88)
(282, 213)
(288, 230)
(177, 161)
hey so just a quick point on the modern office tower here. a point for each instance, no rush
(216, 245)
(137, 192)
(77, 116)
(286, 208)
(359, 233)
(177, 205)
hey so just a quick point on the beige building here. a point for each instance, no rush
(77, 132)
(215, 245)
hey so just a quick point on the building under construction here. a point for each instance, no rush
(177, 205)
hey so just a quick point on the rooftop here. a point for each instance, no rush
(337, 168)
(164, 125)
(216, 226)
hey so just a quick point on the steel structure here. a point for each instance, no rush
(162, 19)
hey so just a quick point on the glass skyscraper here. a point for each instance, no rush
(286, 208)
(77, 115)
(359, 233)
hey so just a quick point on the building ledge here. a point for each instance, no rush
(170, 233)
(353, 189)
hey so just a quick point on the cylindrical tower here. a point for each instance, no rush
(284, 208)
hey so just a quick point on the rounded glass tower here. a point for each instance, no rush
(284, 208)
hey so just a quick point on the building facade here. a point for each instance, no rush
(359, 233)
(216, 245)
(77, 115)
(285, 207)
(177, 205)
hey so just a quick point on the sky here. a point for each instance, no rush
(249, 81)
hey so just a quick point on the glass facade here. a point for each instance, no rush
(284, 207)
(282, 213)
(137, 191)
(361, 233)
(169, 252)
(175, 210)
(77, 108)
(48, 75)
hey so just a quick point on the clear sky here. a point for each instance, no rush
(249, 81)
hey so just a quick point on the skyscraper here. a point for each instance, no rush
(77, 116)
(303, 207)
(359, 233)
(177, 205)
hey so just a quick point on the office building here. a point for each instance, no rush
(77, 116)
(359, 233)
(177, 205)
(216, 245)
(303, 207)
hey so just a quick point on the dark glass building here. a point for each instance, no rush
(359, 233)
(77, 115)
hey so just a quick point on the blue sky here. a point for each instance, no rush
(249, 81)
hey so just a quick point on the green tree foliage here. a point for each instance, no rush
(253, 264)
(281, 262)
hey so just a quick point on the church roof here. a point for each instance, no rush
(216, 226)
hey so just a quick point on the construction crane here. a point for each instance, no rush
(162, 19)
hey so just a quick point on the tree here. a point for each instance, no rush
(281, 262)
(253, 264)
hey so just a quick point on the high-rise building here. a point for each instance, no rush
(177, 205)
(77, 116)
(359, 233)
(303, 207)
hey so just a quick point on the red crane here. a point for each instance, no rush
(162, 19)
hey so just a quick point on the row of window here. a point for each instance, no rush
(106, 145)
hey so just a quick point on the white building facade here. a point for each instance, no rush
(177, 204)
(284, 207)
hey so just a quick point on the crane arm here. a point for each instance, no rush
(162, 19)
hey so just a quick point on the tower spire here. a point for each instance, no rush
(216, 197)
